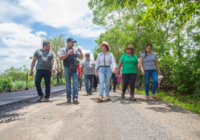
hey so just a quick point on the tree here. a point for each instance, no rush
(57, 43)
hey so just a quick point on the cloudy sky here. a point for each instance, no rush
(24, 23)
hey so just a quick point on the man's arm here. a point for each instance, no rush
(81, 54)
(64, 56)
(54, 65)
(32, 65)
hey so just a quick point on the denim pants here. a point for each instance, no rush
(154, 75)
(89, 79)
(105, 74)
(74, 76)
(46, 74)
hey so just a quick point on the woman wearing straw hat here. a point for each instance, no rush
(129, 70)
(105, 60)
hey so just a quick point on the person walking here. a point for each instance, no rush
(95, 83)
(69, 55)
(88, 67)
(79, 75)
(44, 58)
(105, 60)
(113, 82)
(129, 63)
(148, 65)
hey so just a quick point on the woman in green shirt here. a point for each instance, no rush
(129, 70)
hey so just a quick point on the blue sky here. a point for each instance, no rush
(24, 23)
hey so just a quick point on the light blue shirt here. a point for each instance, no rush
(105, 60)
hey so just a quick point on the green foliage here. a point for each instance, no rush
(171, 26)
(19, 85)
(5, 84)
(187, 102)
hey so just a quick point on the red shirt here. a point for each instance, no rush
(79, 70)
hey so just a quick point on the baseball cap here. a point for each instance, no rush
(70, 40)
(46, 43)
(87, 54)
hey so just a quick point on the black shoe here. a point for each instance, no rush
(68, 100)
(75, 101)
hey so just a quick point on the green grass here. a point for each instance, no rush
(187, 102)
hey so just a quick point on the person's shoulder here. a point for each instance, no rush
(38, 51)
(101, 53)
(124, 55)
(142, 55)
(63, 49)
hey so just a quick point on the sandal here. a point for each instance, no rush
(155, 97)
(100, 98)
(147, 98)
(132, 98)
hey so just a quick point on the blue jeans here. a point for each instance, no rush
(89, 83)
(154, 75)
(105, 74)
(74, 76)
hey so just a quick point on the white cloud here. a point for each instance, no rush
(74, 15)
(20, 44)
(18, 41)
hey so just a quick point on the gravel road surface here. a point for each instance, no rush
(118, 119)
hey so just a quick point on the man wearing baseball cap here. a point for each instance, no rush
(69, 55)
(88, 66)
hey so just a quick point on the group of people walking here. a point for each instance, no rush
(105, 68)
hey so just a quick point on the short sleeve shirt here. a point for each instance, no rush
(44, 59)
(149, 61)
(70, 58)
(88, 67)
(129, 64)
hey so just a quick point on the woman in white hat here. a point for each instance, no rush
(105, 61)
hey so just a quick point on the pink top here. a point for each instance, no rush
(119, 77)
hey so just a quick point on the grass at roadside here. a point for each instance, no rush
(186, 102)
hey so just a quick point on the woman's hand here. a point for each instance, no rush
(117, 71)
(159, 73)
(143, 73)
(96, 73)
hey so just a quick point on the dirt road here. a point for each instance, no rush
(114, 120)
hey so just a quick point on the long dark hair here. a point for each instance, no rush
(107, 48)
(146, 49)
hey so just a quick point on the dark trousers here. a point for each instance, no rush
(80, 82)
(114, 80)
(89, 83)
(129, 79)
(46, 74)
(95, 83)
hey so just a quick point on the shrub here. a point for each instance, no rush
(5, 84)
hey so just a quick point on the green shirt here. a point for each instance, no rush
(129, 63)
(44, 59)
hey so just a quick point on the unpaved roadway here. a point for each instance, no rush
(114, 120)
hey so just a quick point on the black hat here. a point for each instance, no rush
(46, 43)
(87, 54)
(70, 40)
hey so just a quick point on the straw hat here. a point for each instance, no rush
(105, 43)
(129, 47)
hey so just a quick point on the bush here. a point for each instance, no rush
(19, 85)
(181, 75)
(5, 84)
